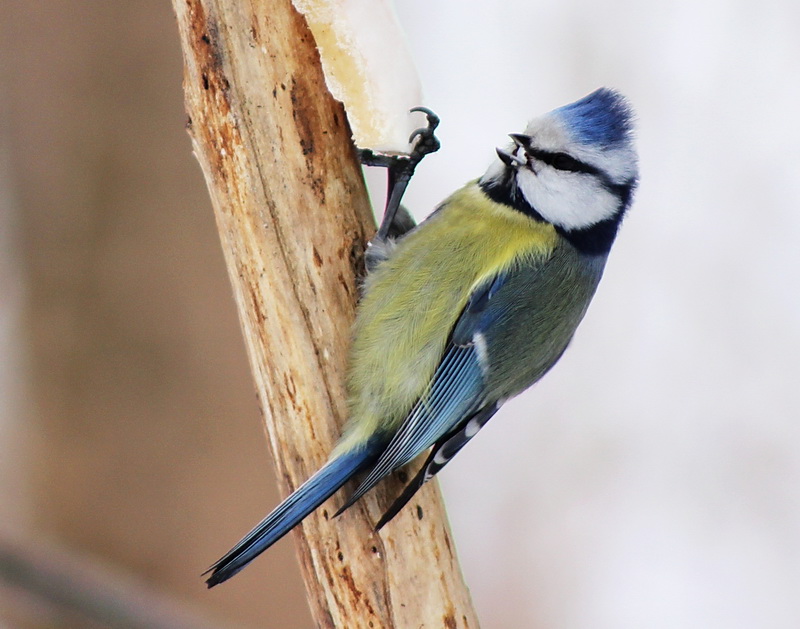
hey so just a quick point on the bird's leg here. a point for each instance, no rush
(401, 167)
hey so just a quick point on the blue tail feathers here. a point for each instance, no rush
(290, 512)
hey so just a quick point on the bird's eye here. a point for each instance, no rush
(562, 161)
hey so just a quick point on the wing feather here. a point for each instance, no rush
(455, 391)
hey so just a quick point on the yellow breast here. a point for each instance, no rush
(414, 298)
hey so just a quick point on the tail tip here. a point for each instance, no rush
(216, 578)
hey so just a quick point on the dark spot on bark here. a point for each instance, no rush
(260, 317)
(290, 388)
(261, 406)
(402, 476)
(357, 256)
(449, 622)
(325, 513)
(206, 32)
(447, 542)
(303, 115)
(317, 257)
(347, 577)
(308, 417)
(419, 512)
(344, 284)
(318, 186)
(358, 597)
(205, 39)
(340, 556)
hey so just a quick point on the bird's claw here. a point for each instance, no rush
(426, 140)
(401, 167)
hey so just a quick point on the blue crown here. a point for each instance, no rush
(603, 117)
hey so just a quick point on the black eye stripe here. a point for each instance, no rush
(562, 161)
(567, 163)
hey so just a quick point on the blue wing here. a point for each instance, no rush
(454, 394)
(441, 454)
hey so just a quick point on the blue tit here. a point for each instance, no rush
(472, 306)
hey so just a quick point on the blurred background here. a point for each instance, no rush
(651, 480)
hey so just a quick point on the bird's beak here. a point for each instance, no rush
(512, 160)
(521, 140)
(505, 157)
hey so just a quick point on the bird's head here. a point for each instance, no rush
(574, 167)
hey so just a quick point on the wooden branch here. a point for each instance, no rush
(293, 218)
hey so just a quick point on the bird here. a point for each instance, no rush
(472, 306)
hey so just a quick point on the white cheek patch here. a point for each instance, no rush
(568, 200)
